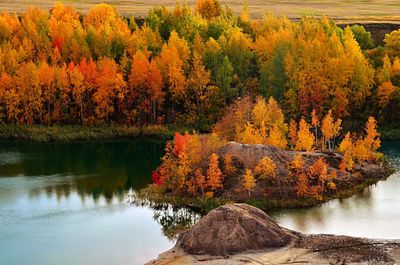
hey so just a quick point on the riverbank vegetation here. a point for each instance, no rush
(68, 133)
(185, 66)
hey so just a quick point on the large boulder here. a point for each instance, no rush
(234, 228)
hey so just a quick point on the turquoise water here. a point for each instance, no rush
(63, 204)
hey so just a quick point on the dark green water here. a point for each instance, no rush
(63, 204)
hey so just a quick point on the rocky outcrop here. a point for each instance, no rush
(247, 156)
(250, 154)
(242, 234)
(234, 228)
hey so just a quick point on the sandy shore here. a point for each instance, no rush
(313, 249)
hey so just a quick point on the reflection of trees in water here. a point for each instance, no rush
(96, 170)
(321, 215)
(173, 220)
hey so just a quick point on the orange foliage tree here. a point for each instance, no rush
(145, 95)
(110, 89)
(330, 130)
(248, 181)
(266, 168)
(214, 174)
(305, 139)
(208, 8)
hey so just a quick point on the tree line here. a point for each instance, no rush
(185, 66)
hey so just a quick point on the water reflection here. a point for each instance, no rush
(172, 220)
(372, 213)
(96, 170)
(65, 204)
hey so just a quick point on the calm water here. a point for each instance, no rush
(65, 204)
(375, 213)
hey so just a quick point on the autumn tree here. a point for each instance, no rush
(305, 139)
(266, 168)
(315, 123)
(330, 130)
(278, 127)
(346, 147)
(9, 99)
(172, 62)
(292, 133)
(297, 162)
(237, 47)
(249, 135)
(67, 34)
(110, 89)
(182, 171)
(30, 93)
(145, 89)
(47, 87)
(107, 32)
(371, 139)
(297, 171)
(386, 92)
(200, 180)
(200, 88)
(79, 89)
(266, 125)
(248, 181)
(229, 166)
(208, 8)
(302, 185)
(214, 174)
(181, 142)
(319, 169)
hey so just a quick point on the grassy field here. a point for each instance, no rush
(341, 10)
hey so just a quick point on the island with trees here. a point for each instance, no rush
(254, 156)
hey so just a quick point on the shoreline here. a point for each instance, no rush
(341, 249)
(68, 133)
(239, 233)
(72, 133)
(203, 205)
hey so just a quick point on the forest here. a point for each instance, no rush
(185, 66)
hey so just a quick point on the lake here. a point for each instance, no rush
(63, 204)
